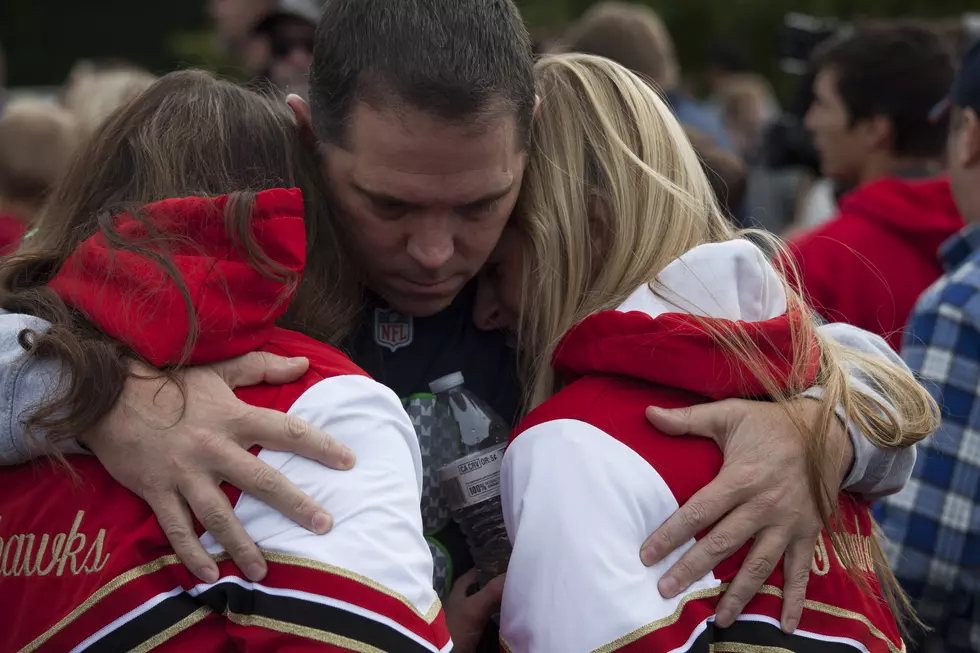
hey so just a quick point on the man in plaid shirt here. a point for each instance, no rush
(934, 524)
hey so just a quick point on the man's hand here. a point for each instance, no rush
(467, 615)
(174, 454)
(761, 492)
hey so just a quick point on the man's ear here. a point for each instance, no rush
(301, 110)
(969, 133)
(879, 130)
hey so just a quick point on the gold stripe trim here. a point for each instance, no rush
(179, 627)
(834, 611)
(663, 622)
(101, 593)
(306, 563)
(302, 631)
(738, 647)
(769, 590)
(504, 645)
(271, 556)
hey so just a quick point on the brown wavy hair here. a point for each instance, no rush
(189, 134)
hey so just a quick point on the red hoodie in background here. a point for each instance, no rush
(868, 266)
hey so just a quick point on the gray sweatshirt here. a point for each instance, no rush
(24, 385)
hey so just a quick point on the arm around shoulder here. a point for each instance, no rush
(875, 471)
(24, 384)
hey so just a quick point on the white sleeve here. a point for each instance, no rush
(875, 472)
(578, 505)
(377, 535)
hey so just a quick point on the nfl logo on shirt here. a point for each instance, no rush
(392, 329)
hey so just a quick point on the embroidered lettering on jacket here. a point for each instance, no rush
(33, 554)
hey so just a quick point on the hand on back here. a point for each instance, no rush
(173, 447)
(761, 493)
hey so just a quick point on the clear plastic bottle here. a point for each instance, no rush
(471, 483)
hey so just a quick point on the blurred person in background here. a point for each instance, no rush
(234, 21)
(726, 171)
(748, 109)
(934, 525)
(870, 118)
(93, 91)
(636, 37)
(37, 142)
(422, 112)
(289, 28)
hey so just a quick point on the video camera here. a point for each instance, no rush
(788, 143)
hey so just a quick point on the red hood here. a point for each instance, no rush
(922, 210)
(131, 299)
(655, 337)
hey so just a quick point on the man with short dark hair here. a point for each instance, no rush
(934, 525)
(871, 123)
(422, 111)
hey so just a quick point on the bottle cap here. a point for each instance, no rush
(446, 383)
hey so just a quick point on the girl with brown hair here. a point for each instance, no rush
(180, 236)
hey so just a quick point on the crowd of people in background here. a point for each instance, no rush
(611, 260)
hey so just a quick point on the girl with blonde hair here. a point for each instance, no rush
(627, 289)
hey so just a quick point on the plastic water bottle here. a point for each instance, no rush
(471, 484)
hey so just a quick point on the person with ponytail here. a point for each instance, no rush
(183, 235)
(629, 290)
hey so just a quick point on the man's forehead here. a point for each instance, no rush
(420, 158)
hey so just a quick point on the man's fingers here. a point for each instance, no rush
(487, 600)
(271, 487)
(702, 510)
(215, 513)
(282, 432)
(758, 565)
(796, 575)
(462, 586)
(260, 367)
(706, 420)
(175, 519)
(723, 540)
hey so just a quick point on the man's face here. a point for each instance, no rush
(843, 147)
(426, 199)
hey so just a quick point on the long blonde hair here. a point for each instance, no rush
(605, 143)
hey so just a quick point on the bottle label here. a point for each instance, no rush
(472, 479)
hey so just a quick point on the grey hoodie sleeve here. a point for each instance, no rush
(23, 385)
(875, 472)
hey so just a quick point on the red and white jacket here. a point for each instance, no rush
(84, 566)
(586, 479)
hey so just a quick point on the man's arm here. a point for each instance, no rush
(874, 472)
(758, 494)
(24, 384)
(172, 448)
(932, 528)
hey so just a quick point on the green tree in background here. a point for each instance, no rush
(43, 38)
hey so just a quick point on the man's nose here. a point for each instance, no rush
(486, 309)
(431, 243)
